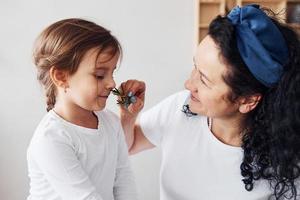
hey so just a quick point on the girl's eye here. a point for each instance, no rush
(99, 77)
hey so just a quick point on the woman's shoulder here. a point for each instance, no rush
(174, 102)
(168, 110)
(178, 97)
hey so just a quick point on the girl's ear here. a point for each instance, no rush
(249, 103)
(59, 77)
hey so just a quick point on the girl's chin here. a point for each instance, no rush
(100, 105)
(98, 109)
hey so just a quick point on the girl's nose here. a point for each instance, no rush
(111, 84)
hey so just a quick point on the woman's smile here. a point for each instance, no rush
(194, 98)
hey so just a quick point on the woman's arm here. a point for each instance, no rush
(135, 139)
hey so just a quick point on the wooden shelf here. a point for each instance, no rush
(262, 1)
(293, 1)
(293, 12)
(278, 6)
(206, 10)
(203, 25)
(210, 1)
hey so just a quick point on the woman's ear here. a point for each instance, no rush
(249, 103)
(59, 77)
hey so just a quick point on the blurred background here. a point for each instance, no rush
(158, 42)
(158, 38)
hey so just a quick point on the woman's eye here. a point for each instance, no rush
(202, 81)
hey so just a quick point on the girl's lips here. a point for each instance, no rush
(103, 96)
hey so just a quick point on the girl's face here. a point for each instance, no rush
(91, 84)
(208, 90)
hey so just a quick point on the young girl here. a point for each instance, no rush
(239, 135)
(78, 150)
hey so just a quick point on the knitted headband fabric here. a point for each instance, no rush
(260, 43)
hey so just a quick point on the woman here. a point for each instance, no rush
(238, 136)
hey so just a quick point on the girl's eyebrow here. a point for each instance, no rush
(202, 74)
(104, 67)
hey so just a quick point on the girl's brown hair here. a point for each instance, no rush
(63, 44)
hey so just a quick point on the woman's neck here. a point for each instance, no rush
(229, 130)
(76, 115)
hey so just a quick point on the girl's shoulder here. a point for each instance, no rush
(108, 115)
(51, 131)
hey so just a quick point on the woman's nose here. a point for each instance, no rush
(189, 83)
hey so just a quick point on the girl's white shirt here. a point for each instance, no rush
(70, 162)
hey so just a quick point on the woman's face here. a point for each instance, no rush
(208, 90)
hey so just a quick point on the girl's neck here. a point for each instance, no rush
(76, 115)
(229, 131)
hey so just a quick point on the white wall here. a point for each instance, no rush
(157, 37)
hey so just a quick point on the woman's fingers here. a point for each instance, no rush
(134, 90)
(136, 107)
(137, 88)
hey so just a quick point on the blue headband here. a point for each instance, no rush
(260, 43)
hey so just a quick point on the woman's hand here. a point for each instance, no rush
(137, 89)
(135, 139)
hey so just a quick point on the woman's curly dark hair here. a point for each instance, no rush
(272, 142)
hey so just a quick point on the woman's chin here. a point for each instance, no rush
(195, 108)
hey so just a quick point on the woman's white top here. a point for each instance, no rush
(195, 164)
